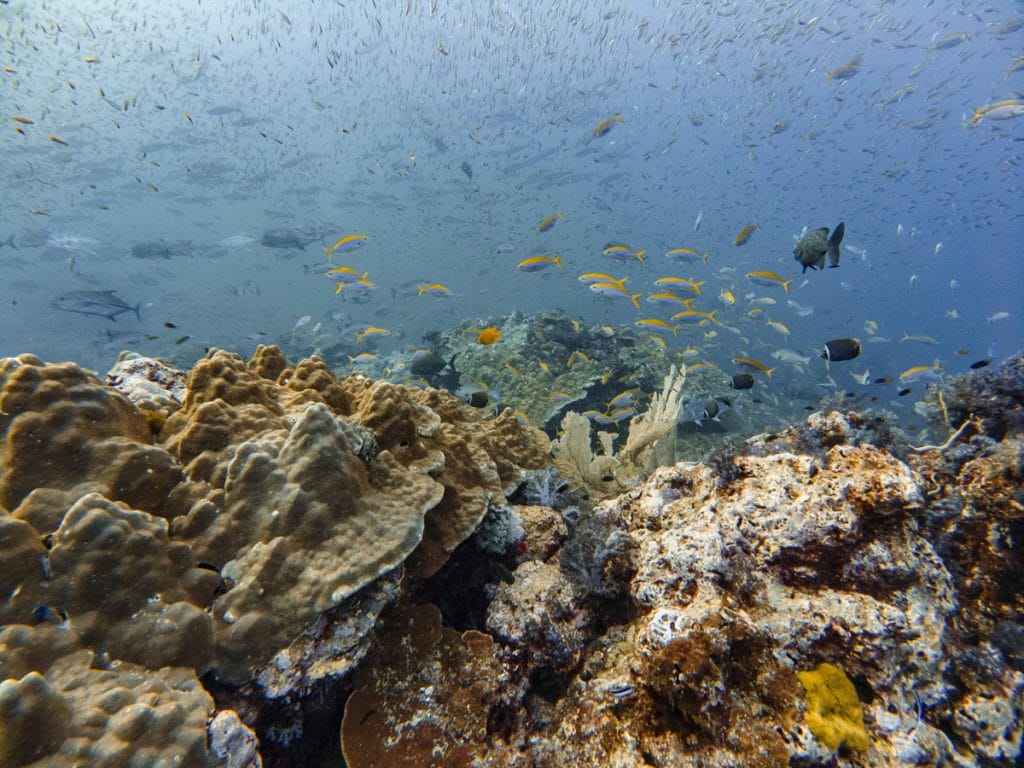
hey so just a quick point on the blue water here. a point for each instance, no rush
(199, 122)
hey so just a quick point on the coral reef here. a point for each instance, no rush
(251, 528)
(231, 574)
(815, 609)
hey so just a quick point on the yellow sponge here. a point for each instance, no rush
(834, 713)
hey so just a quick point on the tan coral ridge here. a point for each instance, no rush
(298, 488)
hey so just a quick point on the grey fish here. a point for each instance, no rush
(811, 249)
(151, 249)
(99, 303)
(9, 241)
(286, 238)
(467, 169)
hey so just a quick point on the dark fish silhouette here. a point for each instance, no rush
(838, 350)
(467, 169)
(287, 238)
(99, 303)
(811, 249)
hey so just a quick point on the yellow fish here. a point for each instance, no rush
(434, 289)
(601, 277)
(354, 285)
(346, 244)
(654, 322)
(777, 326)
(549, 221)
(537, 263)
(745, 234)
(606, 125)
(623, 252)
(687, 255)
(768, 278)
(727, 297)
(695, 316)
(362, 357)
(690, 286)
(751, 365)
(574, 356)
(614, 289)
(372, 330)
(920, 372)
(848, 70)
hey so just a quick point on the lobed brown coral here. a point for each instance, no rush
(255, 525)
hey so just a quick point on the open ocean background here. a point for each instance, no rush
(446, 132)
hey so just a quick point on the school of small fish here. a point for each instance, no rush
(691, 171)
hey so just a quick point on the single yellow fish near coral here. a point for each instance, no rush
(670, 299)
(615, 290)
(768, 278)
(576, 355)
(695, 316)
(362, 357)
(606, 125)
(537, 263)
(919, 372)
(488, 336)
(656, 323)
(751, 365)
(549, 221)
(372, 330)
(745, 234)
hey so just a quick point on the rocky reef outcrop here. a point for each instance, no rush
(237, 570)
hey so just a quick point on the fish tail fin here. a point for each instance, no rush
(338, 287)
(559, 214)
(136, 309)
(622, 281)
(675, 330)
(10, 241)
(636, 299)
(640, 255)
(557, 261)
(328, 253)
(712, 317)
(834, 241)
(786, 284)
(704, 257)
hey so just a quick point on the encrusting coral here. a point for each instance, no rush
(834, 713)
